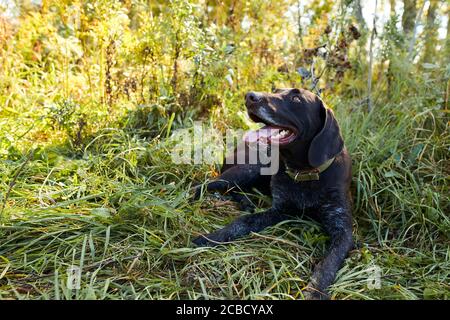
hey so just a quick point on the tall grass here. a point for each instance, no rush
(120, 211)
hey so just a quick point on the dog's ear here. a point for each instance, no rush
(328, 142)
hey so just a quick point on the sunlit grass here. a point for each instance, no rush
(119, 210)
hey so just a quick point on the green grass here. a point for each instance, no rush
(119, 210)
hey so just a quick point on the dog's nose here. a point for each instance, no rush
(253, 97)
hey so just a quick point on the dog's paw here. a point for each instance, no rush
(209, 240)
(201, 241)
(246, 206)
(313, 294)
(195, 193)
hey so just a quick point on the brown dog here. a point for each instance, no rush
(313, 178)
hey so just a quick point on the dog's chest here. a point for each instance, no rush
(288, 193)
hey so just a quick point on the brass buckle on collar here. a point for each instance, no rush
(303, 176)
(308, 175)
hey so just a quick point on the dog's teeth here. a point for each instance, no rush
(281, 134)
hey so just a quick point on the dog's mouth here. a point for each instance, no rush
(270, 133)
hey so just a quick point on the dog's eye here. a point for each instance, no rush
(296, 99)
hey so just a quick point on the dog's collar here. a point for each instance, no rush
(308, 175)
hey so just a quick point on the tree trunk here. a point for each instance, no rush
(299, 22)
(358, 14)
(447, 38)
(369, 78)
(412, 40)
(431, 33)
(409, 16)
(392, 7)
(445, 105)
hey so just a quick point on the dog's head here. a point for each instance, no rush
(295, 117)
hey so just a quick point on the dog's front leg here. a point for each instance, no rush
(336, 220)
(234, 180)
(241, 227)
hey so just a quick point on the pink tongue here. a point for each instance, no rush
(260, 134)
